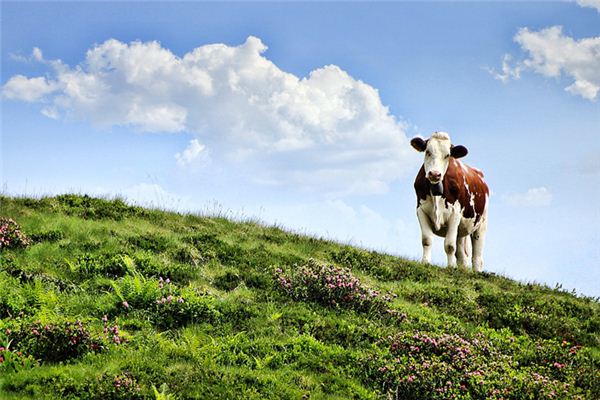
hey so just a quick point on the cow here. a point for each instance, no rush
(452, 201)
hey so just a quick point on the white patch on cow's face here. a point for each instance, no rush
(437, 156)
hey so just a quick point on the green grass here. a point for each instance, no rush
(86, 312)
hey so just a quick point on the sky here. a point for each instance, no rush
(300, 114)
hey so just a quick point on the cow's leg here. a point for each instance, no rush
(451, 237)
(478, 240)
(426, 235)
(462, 251)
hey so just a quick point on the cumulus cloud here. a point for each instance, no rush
(31, 90)
(534, 197)
(590, 3)
(508, 71)
(191, 152)
(35, 56)
(327, 128)
(553, 54)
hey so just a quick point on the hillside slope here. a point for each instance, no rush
(110, 301)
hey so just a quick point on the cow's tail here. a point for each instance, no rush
(468, 247)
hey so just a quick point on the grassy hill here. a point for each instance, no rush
(110, 301)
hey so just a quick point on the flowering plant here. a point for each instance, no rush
(53, 342)
(179, 306)
(331, 286)
(444, 366)
(11, 235)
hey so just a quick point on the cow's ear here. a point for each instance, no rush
(419, 144)
(458, 151)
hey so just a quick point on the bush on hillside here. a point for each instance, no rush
(52, 342)
(163, 302)
(11, 235)
(442, 366)
(182, 307)
(116, 387)
(330, 286)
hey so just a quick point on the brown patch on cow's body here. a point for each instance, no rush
(455, 189)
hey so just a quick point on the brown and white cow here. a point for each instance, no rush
(452, 201)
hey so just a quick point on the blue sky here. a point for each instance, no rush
(299, 114)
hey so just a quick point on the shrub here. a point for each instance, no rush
(11, 235)
(442, 366)
(330, 286)
(53, 342)
(184, 307)
(167, 305)
(116, 387)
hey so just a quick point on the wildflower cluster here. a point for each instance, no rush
(167, 288)
(177, 307)
(447, 366)
(11, 235)
(112, 332)
(123, 386)
(331, 286)
(53, 342)
(163, 302)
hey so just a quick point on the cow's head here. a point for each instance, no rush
(438, 151)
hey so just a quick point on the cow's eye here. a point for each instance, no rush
(447, 155)
(428, 153)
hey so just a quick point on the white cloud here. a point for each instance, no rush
(534, 197)
(37, 54)
(590, 3)
(508, 71)
(191, 152)
(327, 129)
(31, 90)
(553, 54)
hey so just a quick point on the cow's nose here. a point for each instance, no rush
(435, 176)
